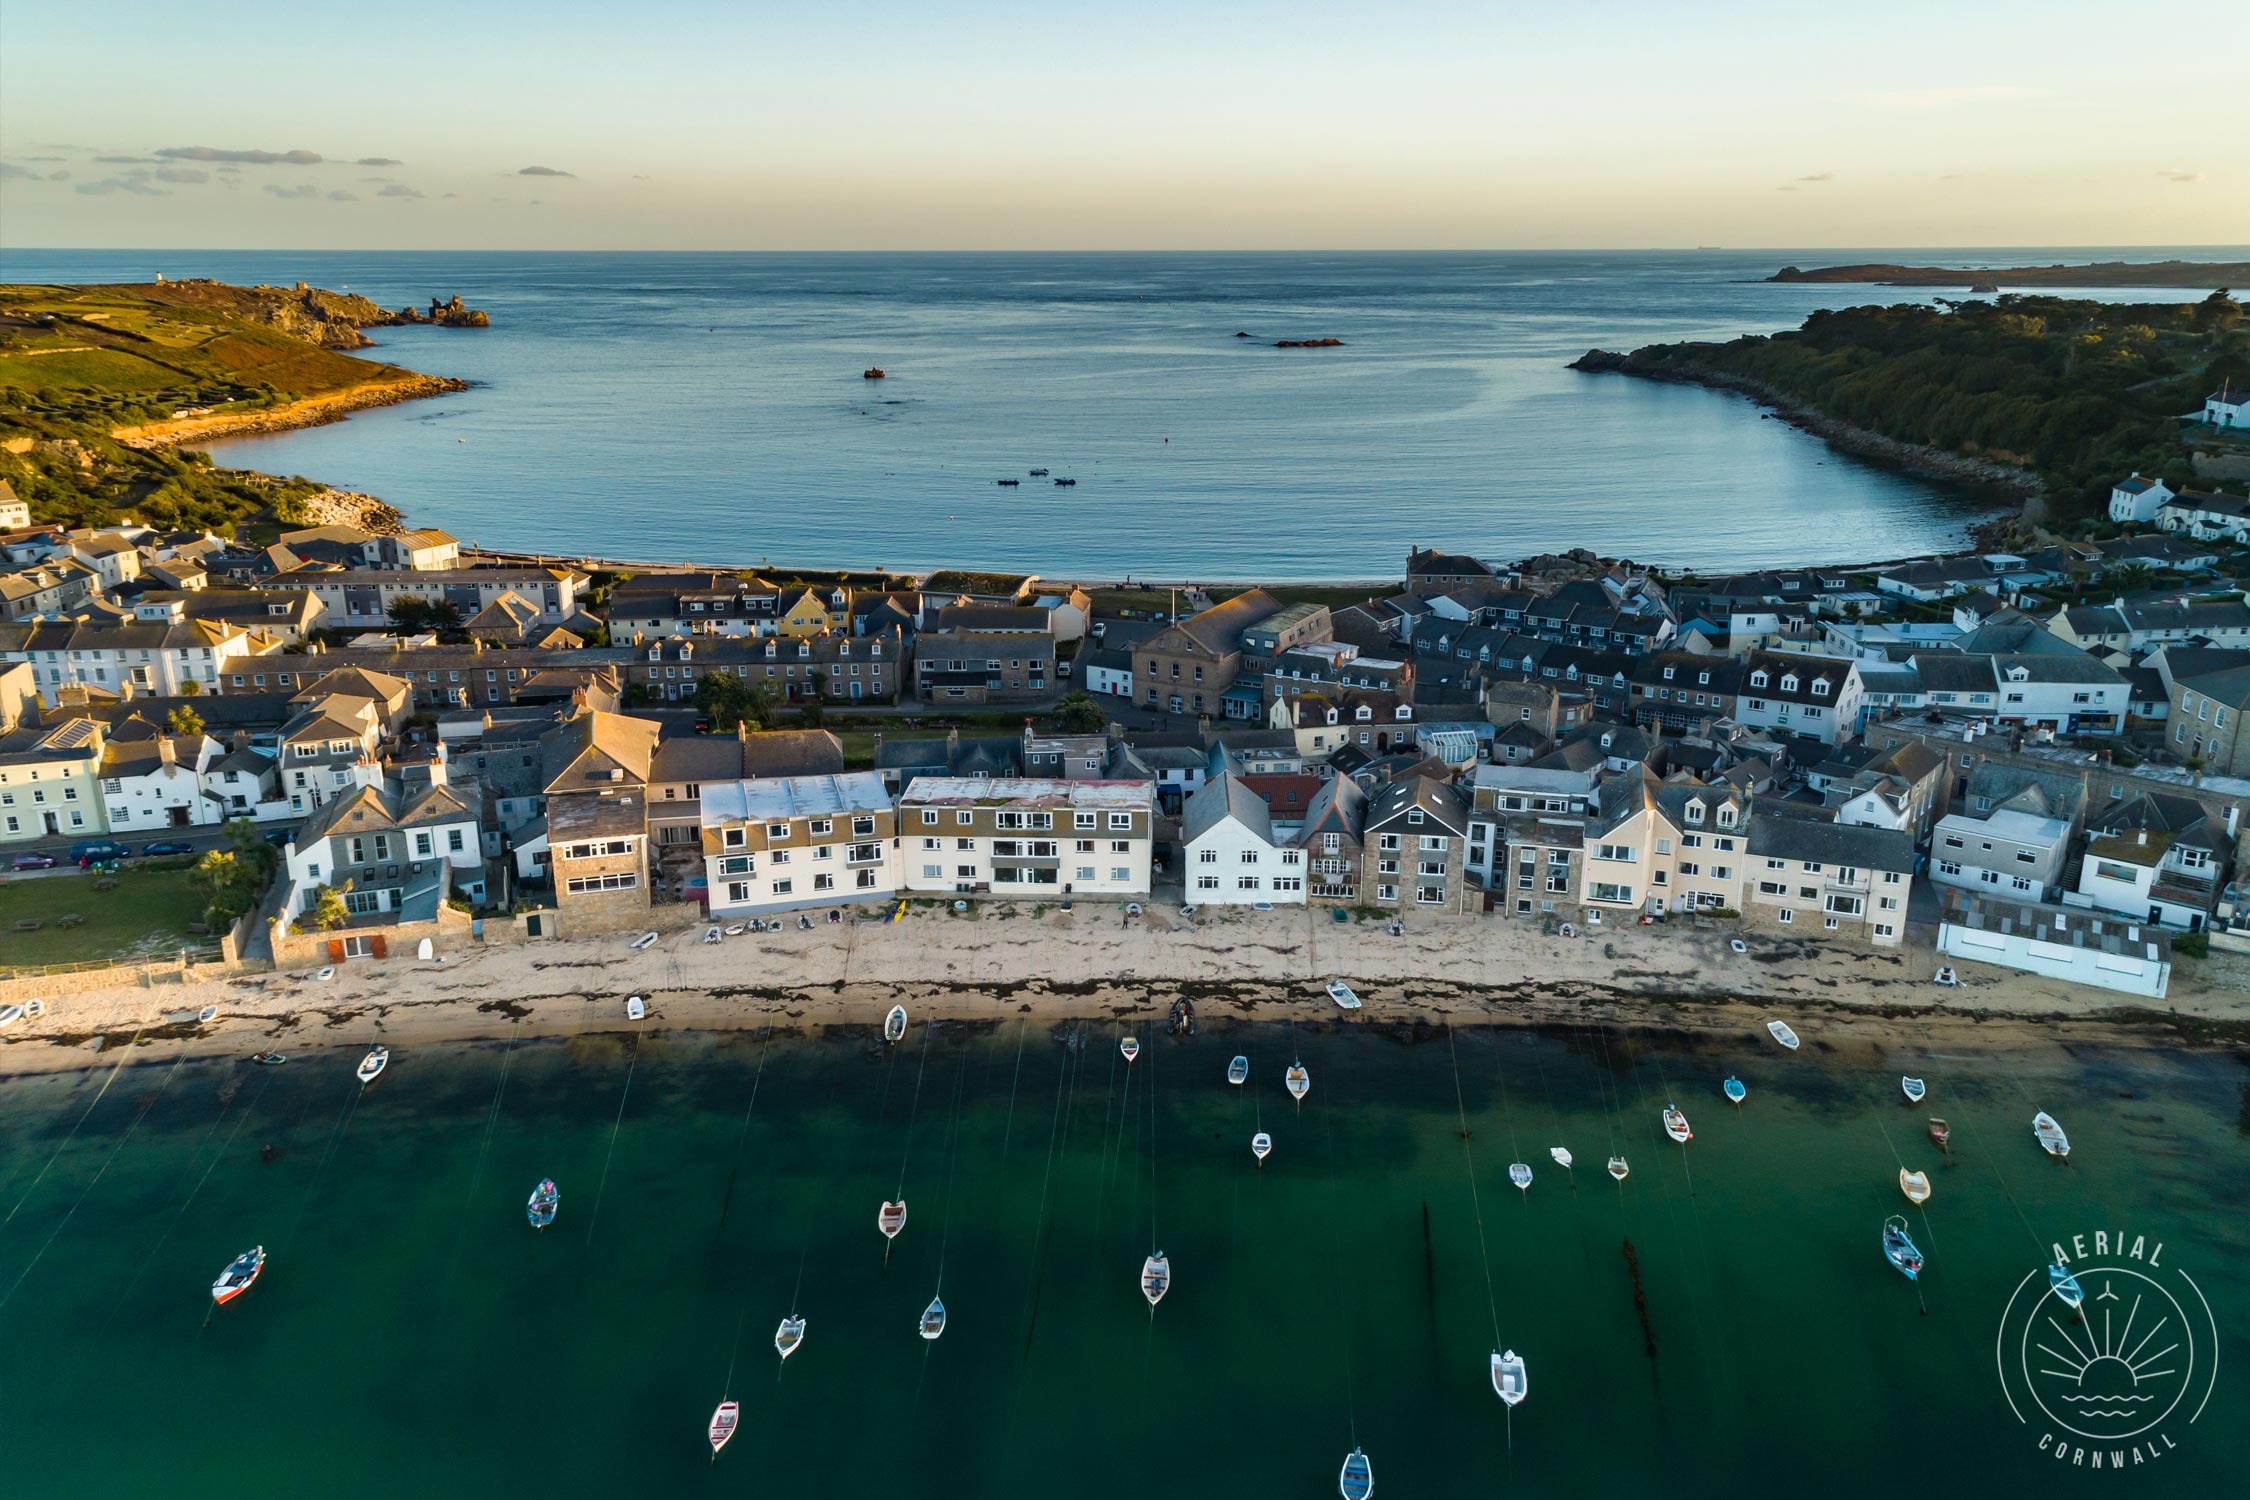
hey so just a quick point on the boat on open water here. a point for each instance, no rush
(1261, 1146)
(1508, 1378)
(891, 1218)
(724, 1420)
(1676, 1126)
(1782, 1034)
(1519, 1173)
(1238, 1070)
(1357, 1480)
(1735, 1090)
(372, 1065)
(1299, 1081)
(1941, 1134)
(1131, 1047)
(238, 1276)
(1913, 1088)
(933, 1319)
(1916, 1185)
(545, 1199)
(1561, 1154)
(1618, 1169)
(2065, 1286)
(2050, 1134)
(1899, 1250)
(1156, 1278)
(789, 1335)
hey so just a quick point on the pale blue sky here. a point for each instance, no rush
(996, 124)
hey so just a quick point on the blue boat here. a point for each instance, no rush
(1899, 1250)
(1735, 1091)
(2065, 1286)
(1357, 1481)
(545, 1199)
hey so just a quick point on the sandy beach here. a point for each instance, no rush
(998, 961)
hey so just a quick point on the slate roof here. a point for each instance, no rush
(1388, 806)
(1220, 799)
(1831, 843)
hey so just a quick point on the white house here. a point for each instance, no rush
(2227, 407)
(2079, 946)
(2206, 516)
(788, 842)
(395, 849)
(1815, 697)
(2137, 499)
(2018, 855)
(1234, 857)
(160, 783)
(15, 515)
(1109, 673)
(141, 655)
(1026, 836)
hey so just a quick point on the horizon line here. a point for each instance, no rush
(2242, 249)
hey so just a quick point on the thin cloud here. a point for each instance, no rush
(1949, 98)
(298, 190)
(137, 185)
(339, 195)
(2175, 174)
(10, 172)
(1786, 188)
(378, 161)
(543, 172)
(182, 174)
(126, 161)
(1818, 177)
(62, 176)
(255, 158)
(399, 190)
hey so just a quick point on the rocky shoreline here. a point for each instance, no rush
(2017, 483)
(313, 411)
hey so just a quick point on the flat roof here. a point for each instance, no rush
(777, 798)
(972, 791)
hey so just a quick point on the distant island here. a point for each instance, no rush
(2205, 275)
(100, 386)
(2051, 397)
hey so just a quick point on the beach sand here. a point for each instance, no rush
(1000, 961)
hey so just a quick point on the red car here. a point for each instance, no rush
(34, 862)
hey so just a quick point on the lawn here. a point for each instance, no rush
(148, 913)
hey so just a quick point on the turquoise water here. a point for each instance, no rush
(710, 406)
(411, 1334)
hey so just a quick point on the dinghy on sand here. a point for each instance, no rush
(1916, 1185)
(724, 1420)
(1782, 1034)
(636, 1008)
(1156, 1279)
(1519, 1173)
(1341, 993)
(1508, 1382)
(789, 1335)
(1238, 1070)
(1357, 1481)
(2051, 1137)
(1299, 1081)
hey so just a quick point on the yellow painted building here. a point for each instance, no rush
(810, 612)
(50, 783)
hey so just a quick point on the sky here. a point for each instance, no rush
(1229, 124)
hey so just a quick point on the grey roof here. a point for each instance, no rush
(1339, 807)
(1831, 843)
(2076, 667)
(1437, 799)
(1220, 799)
(2053, 924)
(1954, 672)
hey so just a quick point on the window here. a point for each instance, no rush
(1787, 915)
(1120, 874)
(1622, 854)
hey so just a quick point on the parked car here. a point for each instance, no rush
(164, 847)
(280, 837)
(87, 850)
(34, 862)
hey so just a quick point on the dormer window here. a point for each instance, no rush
(804, 649)
(2019, 674)
(1605, 739)
(1758, 678)
(1332, 716)
(1694, 812)
(773, 649)
(1726, 814)
(1667, 674)
(1820, 687)
(1363, 713)
(1703, 679)
(1402, 712)
(1789, 683)
(656, 653)
(687, 650)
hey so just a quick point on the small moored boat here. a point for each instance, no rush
(1508, 1380)
(1899, 1249)
(239, 1274)
(1519, 1173)
(1182, 1020)
(1782, 1034)
(1008, 483)
(933, 1319)
(1238, 1070)
(894, 1024)
(1561, 1154)
(1735, 1090)
(789, 1335)
(1357, 1481)
(1341, 993)
(1916, 1185)
(635, 1008)
(1156, 1278)
(1131, 1047)
(34, 1009)
(207, 1015)
(1941, 1134)
(372, 1065)
(1261, 1145)
(1299, 1081)
(1676, 1126)
(2065, 1286)
(269, 1059)
(1617, 1168)
(872, 372)
(545, 1199)
(1913, 1088)
(1948, 978)
(1038, 473)
(891, 1218)
(2051, 1137)
(724, 1420)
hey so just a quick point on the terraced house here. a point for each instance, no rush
(787, 843)
(50, 782)
(1657, 847)
(1026, 836)
(1414, 845)
(140, 656)
(1187, 667)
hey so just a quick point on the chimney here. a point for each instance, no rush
(166, 752)
(437, 764)
(2140, 837)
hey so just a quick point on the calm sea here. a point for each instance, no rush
(664, 407)
(413, 1336)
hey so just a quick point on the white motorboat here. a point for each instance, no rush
(327, 972)
(1913, 1088)
(1238, 1070)
(1156, 1278)
(1299, 1081)
(1676, 1125)
(1508, 1379)
(1131, 1047)
(635, 1008)
(1519, 1173)
(789, 1335)
(1561, 1154)
(1261, 1145)
(1948, 978)
(1618, 1169)
(372, 1065)
(724, 1420)
(891, 1218)
(1341, 993)
(933, 1319)
(239, 1274)
(2051, 1137)
(894, 1024)
(1782, 1034)
(1738, 945)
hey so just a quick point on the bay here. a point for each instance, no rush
(711, 407)
(411, 1334)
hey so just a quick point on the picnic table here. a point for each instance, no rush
(27, 924)
(70, 919)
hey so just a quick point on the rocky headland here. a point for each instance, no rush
(2208, 275)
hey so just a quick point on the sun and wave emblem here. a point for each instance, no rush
(2126, 1359)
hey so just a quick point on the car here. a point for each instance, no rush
(280, 837)
(92, 849)
(163, 847)
(34, 862)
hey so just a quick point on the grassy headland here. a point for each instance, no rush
(2063, 397)
(98, 384)
(2213, 275)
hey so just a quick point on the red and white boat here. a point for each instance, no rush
(238, 1276)
(1676, 1126)
(723, 1423)
(891, 1219)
